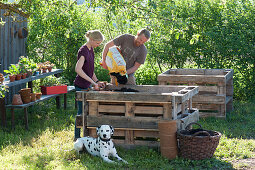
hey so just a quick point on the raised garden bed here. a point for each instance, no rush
(215, 96)
(135, 115)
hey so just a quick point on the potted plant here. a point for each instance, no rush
(13, 71)
(53, 85)
(49, 65)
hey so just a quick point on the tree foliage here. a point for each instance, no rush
(202, 33)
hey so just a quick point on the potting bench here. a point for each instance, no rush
(30, 80)
(43, 98)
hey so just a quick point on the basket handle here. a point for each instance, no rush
(199, 132)
(188, 126)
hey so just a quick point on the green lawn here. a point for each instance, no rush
(49, 141)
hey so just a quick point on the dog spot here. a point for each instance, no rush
(105, 146)
(108, 143)
(105, 156)
(103, 143)
(95, 149)
(89, 146)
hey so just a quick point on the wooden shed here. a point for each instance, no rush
(13, 33)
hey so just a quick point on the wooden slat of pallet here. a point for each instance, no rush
(211, 114)
(215, 99)
(184, 79)
(137, 109)
(123, 122)
(192, 116)
(206, 106)
(147, 88)
(229, 74)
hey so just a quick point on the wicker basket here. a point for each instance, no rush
(197, 144)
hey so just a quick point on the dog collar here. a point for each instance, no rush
(105, 140)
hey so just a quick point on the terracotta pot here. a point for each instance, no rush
(33, 97)
(18, 77)
(38, 95)
(29, 73)
(1, 80)
(49, 69)
(16, 99)
(25, 95)
(12, 78)
(168, 140)
(26, 99)
(24, 75)
(44, 70)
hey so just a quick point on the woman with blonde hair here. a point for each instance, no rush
(84, 68)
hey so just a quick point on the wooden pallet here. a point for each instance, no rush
(215, 96)
(135, 115)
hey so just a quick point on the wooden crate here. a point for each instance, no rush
(215, 96)
(135, 115)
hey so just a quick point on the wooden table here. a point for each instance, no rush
(28, 80)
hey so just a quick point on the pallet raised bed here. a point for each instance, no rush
(215, 96)
(135, 115)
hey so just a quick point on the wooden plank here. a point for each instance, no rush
(111, 108)
(145, 133)
(211, 89)
(193, 116)
(214, 99)
(148, 110)
(206, 106)
(229, 74)
(192, 78)
(123, 122)
(147, 88)
(93, 108)
(167, 111)
(127, 96)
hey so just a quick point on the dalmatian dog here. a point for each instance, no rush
(101, 146)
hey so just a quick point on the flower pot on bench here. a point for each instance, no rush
(47, 90)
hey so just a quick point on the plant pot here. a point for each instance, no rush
(44, 70)
(25, 95)
(38, 95)
(18, 77)
(16, 99)
(168, 140)
(33, 97)
(1, 80)
(53, 89)
(24, 75)
(29, 73)
(49, 69)
(12, 78)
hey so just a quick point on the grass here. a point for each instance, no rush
(49, 141)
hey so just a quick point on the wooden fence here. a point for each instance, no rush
(12, 46)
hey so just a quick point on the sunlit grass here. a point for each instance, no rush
(48, 143)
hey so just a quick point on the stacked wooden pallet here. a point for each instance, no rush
(215, 96)
(135, 115)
